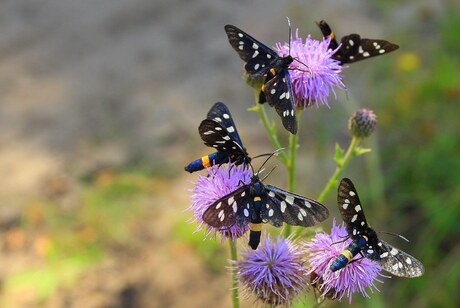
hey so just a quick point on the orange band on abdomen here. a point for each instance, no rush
(205, 161)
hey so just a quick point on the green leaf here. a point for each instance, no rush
(360, 151)
(338, 157)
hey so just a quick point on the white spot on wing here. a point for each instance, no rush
(272, 91)
(246, 213)
(394, 251)
(283, 206)
(235, 207)
(384, 255)
(209, 132)
(300, 217)
(271, 194)
(353, 219)
(256, 66)
(351, 42)
(345, 205)
(218, 205)
(221, 215)
(303, 212)
(409, 261)
(290, 199)
(226, 116)
(358, 208)
(240, 34)
(255, 46)
(230, 129)
(307, 204)
(270, 213)
(230, 200)
(351, 193)
(256, 53)
(382, 51)
(366, 54)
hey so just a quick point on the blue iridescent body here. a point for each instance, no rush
(216, 158)
(347, 255)
(255, 231)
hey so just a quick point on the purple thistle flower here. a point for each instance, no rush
(312, 83)
(355, 277)
(220, 182)
(275, 273)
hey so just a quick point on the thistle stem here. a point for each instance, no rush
(234, 257)
(269, 127)
(291, 167)
(333, 181)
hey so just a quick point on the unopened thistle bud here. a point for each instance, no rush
(362, 123)
(255, 82)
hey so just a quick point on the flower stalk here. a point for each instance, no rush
(341, 164)
(234, 271)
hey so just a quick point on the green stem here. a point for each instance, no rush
(339, 169)
(269, 127)
(234, 256)
(291, 167)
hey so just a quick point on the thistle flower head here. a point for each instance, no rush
(362, 123)
(313, 72)
(323, 249)
(220, 182)
(275, 273)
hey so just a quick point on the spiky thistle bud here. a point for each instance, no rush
(362, 123)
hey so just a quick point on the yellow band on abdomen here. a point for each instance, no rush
(255, 227)
(257, 198)
(347, 254)
(205, 161)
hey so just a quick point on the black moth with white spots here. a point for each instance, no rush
(219, 131)
(262, 61)
(390, 258)
(354, 48)
(256, 203)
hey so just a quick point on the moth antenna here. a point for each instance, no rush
(289, 25)
(344, 239)
(394, 234)
(268, 173)
(248, 159)
(270, 156)
(262, 155)
(308, 68)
